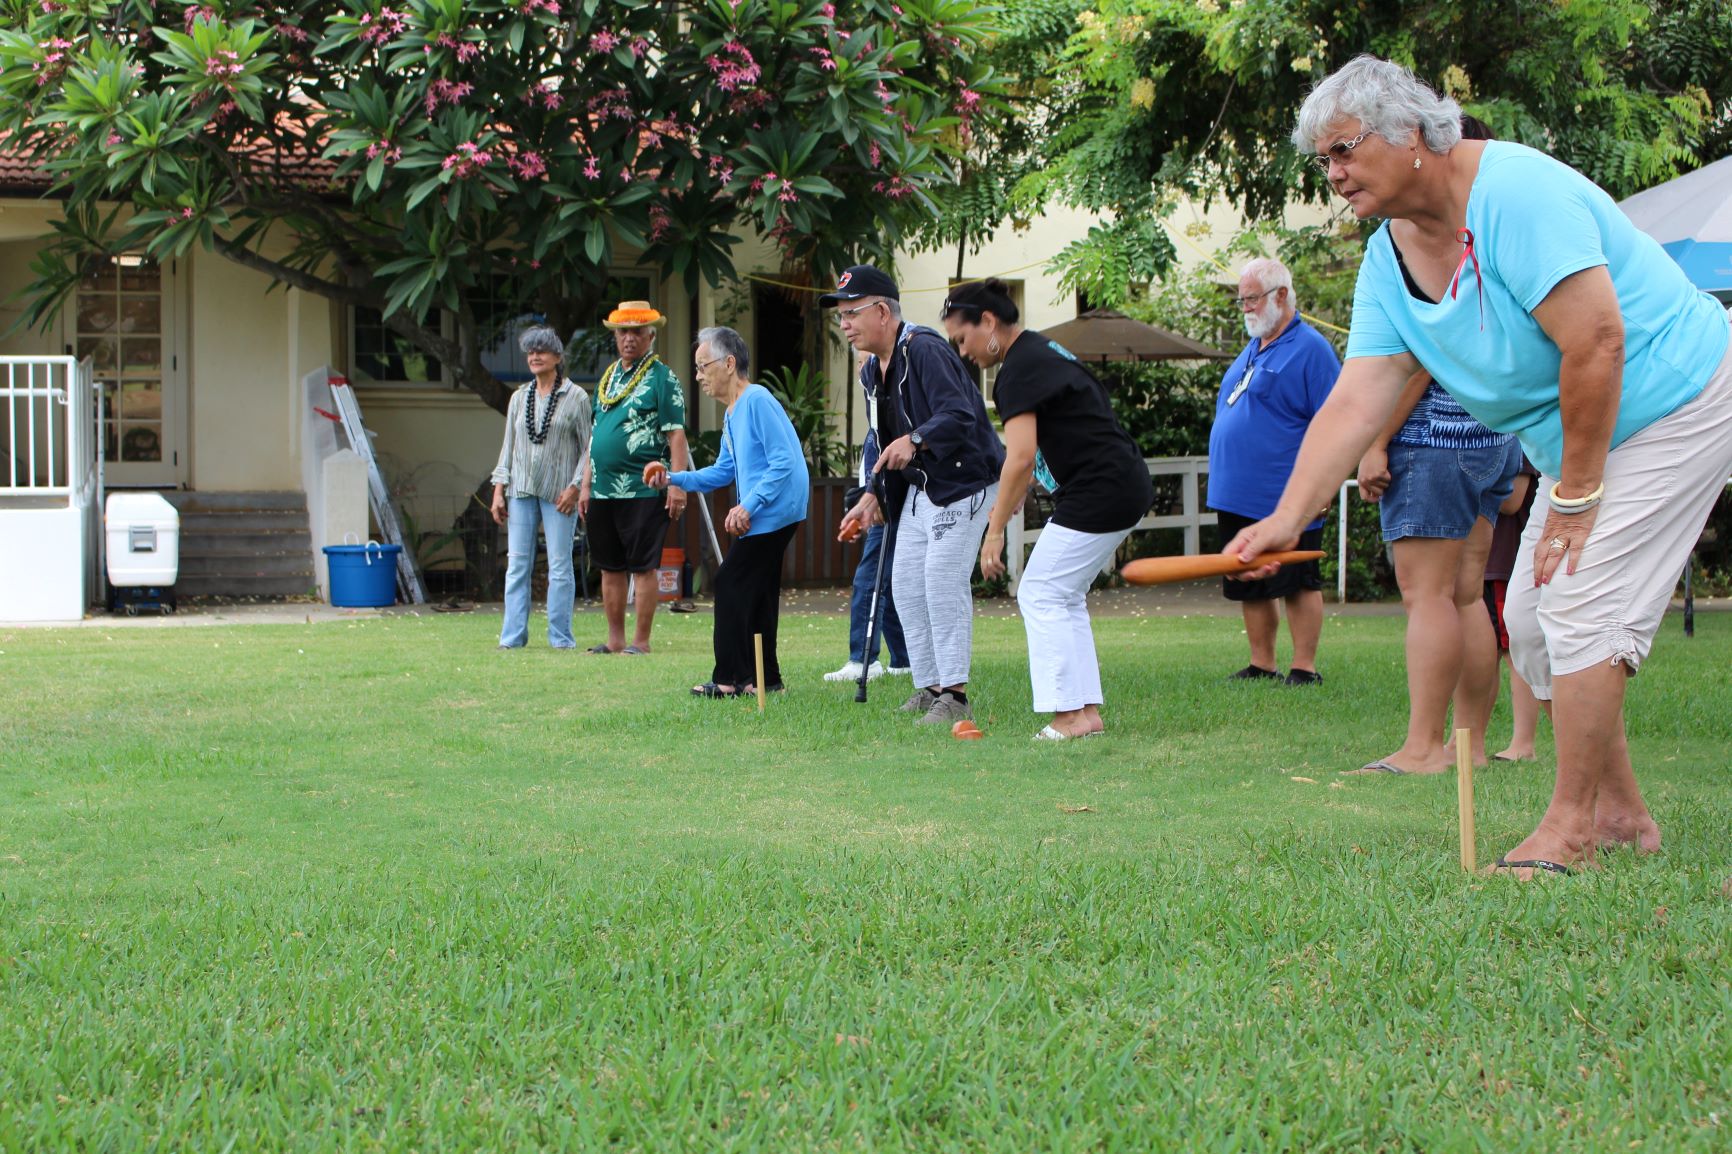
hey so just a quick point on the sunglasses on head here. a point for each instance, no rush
(955, 306)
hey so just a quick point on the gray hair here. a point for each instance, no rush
(725, 342)
(893, 307)
(1270, 274)
(1384, 97)
(541, 340)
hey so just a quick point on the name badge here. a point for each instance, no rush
(1239, 389)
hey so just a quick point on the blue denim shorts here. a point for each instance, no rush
(1442, 492)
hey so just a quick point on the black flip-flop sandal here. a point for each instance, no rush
(1534, 864)
(599, 649)
(711, 689)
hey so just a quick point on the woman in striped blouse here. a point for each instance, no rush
(540, 467)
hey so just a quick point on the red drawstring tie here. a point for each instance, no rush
(1467, 254)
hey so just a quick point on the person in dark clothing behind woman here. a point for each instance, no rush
(1059, 427)
(761, 457)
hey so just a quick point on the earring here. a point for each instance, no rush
(1416, 162)
(992, 346)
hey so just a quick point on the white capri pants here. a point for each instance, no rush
(1661, 484)
(1053, 597)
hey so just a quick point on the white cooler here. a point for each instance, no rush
(143, 540)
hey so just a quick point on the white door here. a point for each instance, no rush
(127, 319)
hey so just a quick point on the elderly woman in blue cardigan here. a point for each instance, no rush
(761, 457)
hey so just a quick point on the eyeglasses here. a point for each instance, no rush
(849, 314)
(1253, 298)
(700, 366)
(951, 306)
(1341, 152)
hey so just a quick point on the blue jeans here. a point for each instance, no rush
(559, 529)
(888, 627)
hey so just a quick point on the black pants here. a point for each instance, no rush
(749, 601)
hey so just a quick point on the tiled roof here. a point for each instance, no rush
(21, 174)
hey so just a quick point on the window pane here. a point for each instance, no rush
(140, 401)
(141, 357)
(100, 350)
(140, 443)
(95, 314)
(141, 314)
(145, 276)
(380, 356)
(98, 274)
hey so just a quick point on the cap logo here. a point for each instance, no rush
(846, 277)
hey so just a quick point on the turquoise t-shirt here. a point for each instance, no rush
(1535, 221)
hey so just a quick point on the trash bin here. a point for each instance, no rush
(363, 576)
(143, 538)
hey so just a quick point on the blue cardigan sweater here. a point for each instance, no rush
(762, 458)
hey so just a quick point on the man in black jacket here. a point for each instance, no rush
(940, 464)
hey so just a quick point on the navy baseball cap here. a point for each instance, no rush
(860, 281)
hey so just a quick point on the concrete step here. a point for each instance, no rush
(244, 544)
(244, 520)
(202, 501)
(230, 585)
(252, 564)
(227, 540)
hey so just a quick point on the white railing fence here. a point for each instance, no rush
(49, 427)
(1191, 518)
(51, 483)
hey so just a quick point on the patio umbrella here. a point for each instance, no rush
(1105, 335)
(1691, 217)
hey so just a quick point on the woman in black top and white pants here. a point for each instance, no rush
(1058, 426)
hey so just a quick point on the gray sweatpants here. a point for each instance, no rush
(936, 548)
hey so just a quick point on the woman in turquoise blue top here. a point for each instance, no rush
(1537, 305)
(761, 457)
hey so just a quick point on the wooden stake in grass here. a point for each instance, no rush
(758, 653)
(1464, 795)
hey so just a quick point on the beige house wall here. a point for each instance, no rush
(247, 347)
(443, 442)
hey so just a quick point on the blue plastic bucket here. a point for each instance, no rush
(363, 576)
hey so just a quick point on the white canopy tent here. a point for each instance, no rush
(1691, 217)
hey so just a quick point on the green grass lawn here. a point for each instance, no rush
(376, 886)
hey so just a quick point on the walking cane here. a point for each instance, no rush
(871, 644)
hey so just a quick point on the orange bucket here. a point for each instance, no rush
(668, 574)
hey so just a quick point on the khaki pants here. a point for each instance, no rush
(1661, 484)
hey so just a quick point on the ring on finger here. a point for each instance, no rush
(1559, 543)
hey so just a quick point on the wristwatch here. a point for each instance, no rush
(915, 439)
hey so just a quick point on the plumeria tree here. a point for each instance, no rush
(415, 156)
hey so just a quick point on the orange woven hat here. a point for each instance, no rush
(634, 315)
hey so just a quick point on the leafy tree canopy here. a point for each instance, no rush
(1139, 103)
(412, 155)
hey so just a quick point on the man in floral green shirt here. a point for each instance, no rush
(640, 416)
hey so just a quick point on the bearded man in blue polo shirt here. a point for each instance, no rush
(1267, 400)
